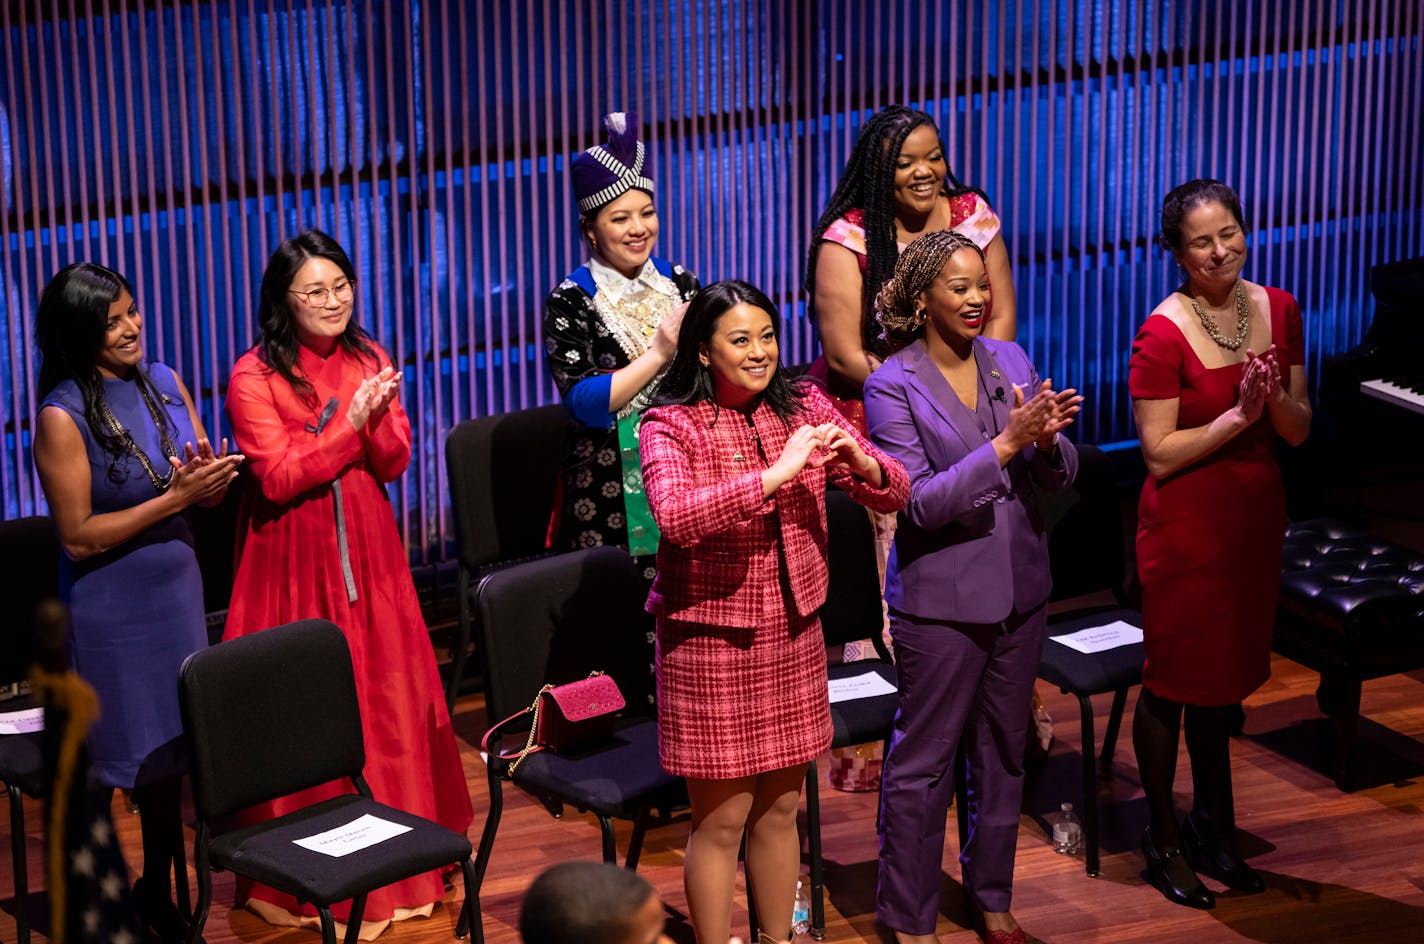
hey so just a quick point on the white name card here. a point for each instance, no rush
(1101, 638)
(865, 685)
(22, 722)
(356, 835)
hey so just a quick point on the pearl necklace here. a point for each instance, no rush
(1243, 320)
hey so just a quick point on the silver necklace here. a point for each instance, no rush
(1243, 320)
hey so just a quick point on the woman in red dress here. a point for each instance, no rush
(735, 464)
(315, 406)
(1210, 524)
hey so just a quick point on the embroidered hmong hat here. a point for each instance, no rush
(605, 172)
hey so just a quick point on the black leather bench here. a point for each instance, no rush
(1351, 608)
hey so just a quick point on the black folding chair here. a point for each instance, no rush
(1085, 549)
(555, 620)
(273, 713)
(503, 472)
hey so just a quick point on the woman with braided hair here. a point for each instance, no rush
(895, 187)
(967, 580)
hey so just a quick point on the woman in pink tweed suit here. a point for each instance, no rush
(735, 463)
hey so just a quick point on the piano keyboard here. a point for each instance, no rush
(1411, 398)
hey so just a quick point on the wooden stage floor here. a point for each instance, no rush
(1340, 867)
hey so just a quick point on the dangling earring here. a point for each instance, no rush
(919, 317)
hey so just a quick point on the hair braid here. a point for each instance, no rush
(868, 183)
(896, 307)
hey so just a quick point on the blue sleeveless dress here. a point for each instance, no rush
(137, 610)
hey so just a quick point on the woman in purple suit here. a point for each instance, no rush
(967, 581)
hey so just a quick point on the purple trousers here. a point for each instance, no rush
(956, 679)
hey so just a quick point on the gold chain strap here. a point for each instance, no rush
(533, 730)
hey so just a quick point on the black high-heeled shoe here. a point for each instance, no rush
(1218, 859)
(1172, 875)
(159, 916)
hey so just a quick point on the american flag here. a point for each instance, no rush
(90, 898)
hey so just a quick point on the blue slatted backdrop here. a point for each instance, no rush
(179, 141)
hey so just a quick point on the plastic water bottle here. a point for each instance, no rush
(801, 912)
(1067, 832)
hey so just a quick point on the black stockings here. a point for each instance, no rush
(1156, 729)
(160, 806)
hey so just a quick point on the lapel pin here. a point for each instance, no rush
(994, 372)
(738, 457)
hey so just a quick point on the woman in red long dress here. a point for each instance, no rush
(735, 463)
(315, 406)
(1210, 524)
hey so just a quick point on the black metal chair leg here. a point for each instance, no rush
(353, 922)
(1119, 704)
(496, 810)
(813, 843)
(17, 855)
(1090, 786)
(610, 840)
(471, 920)
(635, 841)
(205, 886)
(328, 925)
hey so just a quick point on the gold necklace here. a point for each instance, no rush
(1243, 320)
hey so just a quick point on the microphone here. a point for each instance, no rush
(999, 395)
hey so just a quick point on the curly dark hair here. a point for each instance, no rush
(277, 343)
(868, 183)
(1187, 197)
(689, 381)
(70, 327)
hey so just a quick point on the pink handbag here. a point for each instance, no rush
(566, 718)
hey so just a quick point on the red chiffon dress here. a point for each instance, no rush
(290, 566)
(1209, 536)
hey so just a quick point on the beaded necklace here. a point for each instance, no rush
(165, 441)
(1243, 320)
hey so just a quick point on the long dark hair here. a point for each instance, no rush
(689, 381)
(278, 343)
(71, 327)
(868, 183)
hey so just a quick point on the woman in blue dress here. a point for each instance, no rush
(107, 450)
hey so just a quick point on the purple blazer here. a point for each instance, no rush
(971, 546)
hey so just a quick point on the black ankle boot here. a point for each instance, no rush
(1211, 856)
(1172, 875)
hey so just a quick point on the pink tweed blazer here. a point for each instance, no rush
(717, 562)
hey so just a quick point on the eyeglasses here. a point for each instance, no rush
(317, 297)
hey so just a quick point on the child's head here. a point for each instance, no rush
(579, 902)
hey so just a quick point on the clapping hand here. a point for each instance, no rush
(1037, 419)
(203, 479)
(373, 397)
(1255, 386)
(1271, 360)
(1064, 406)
